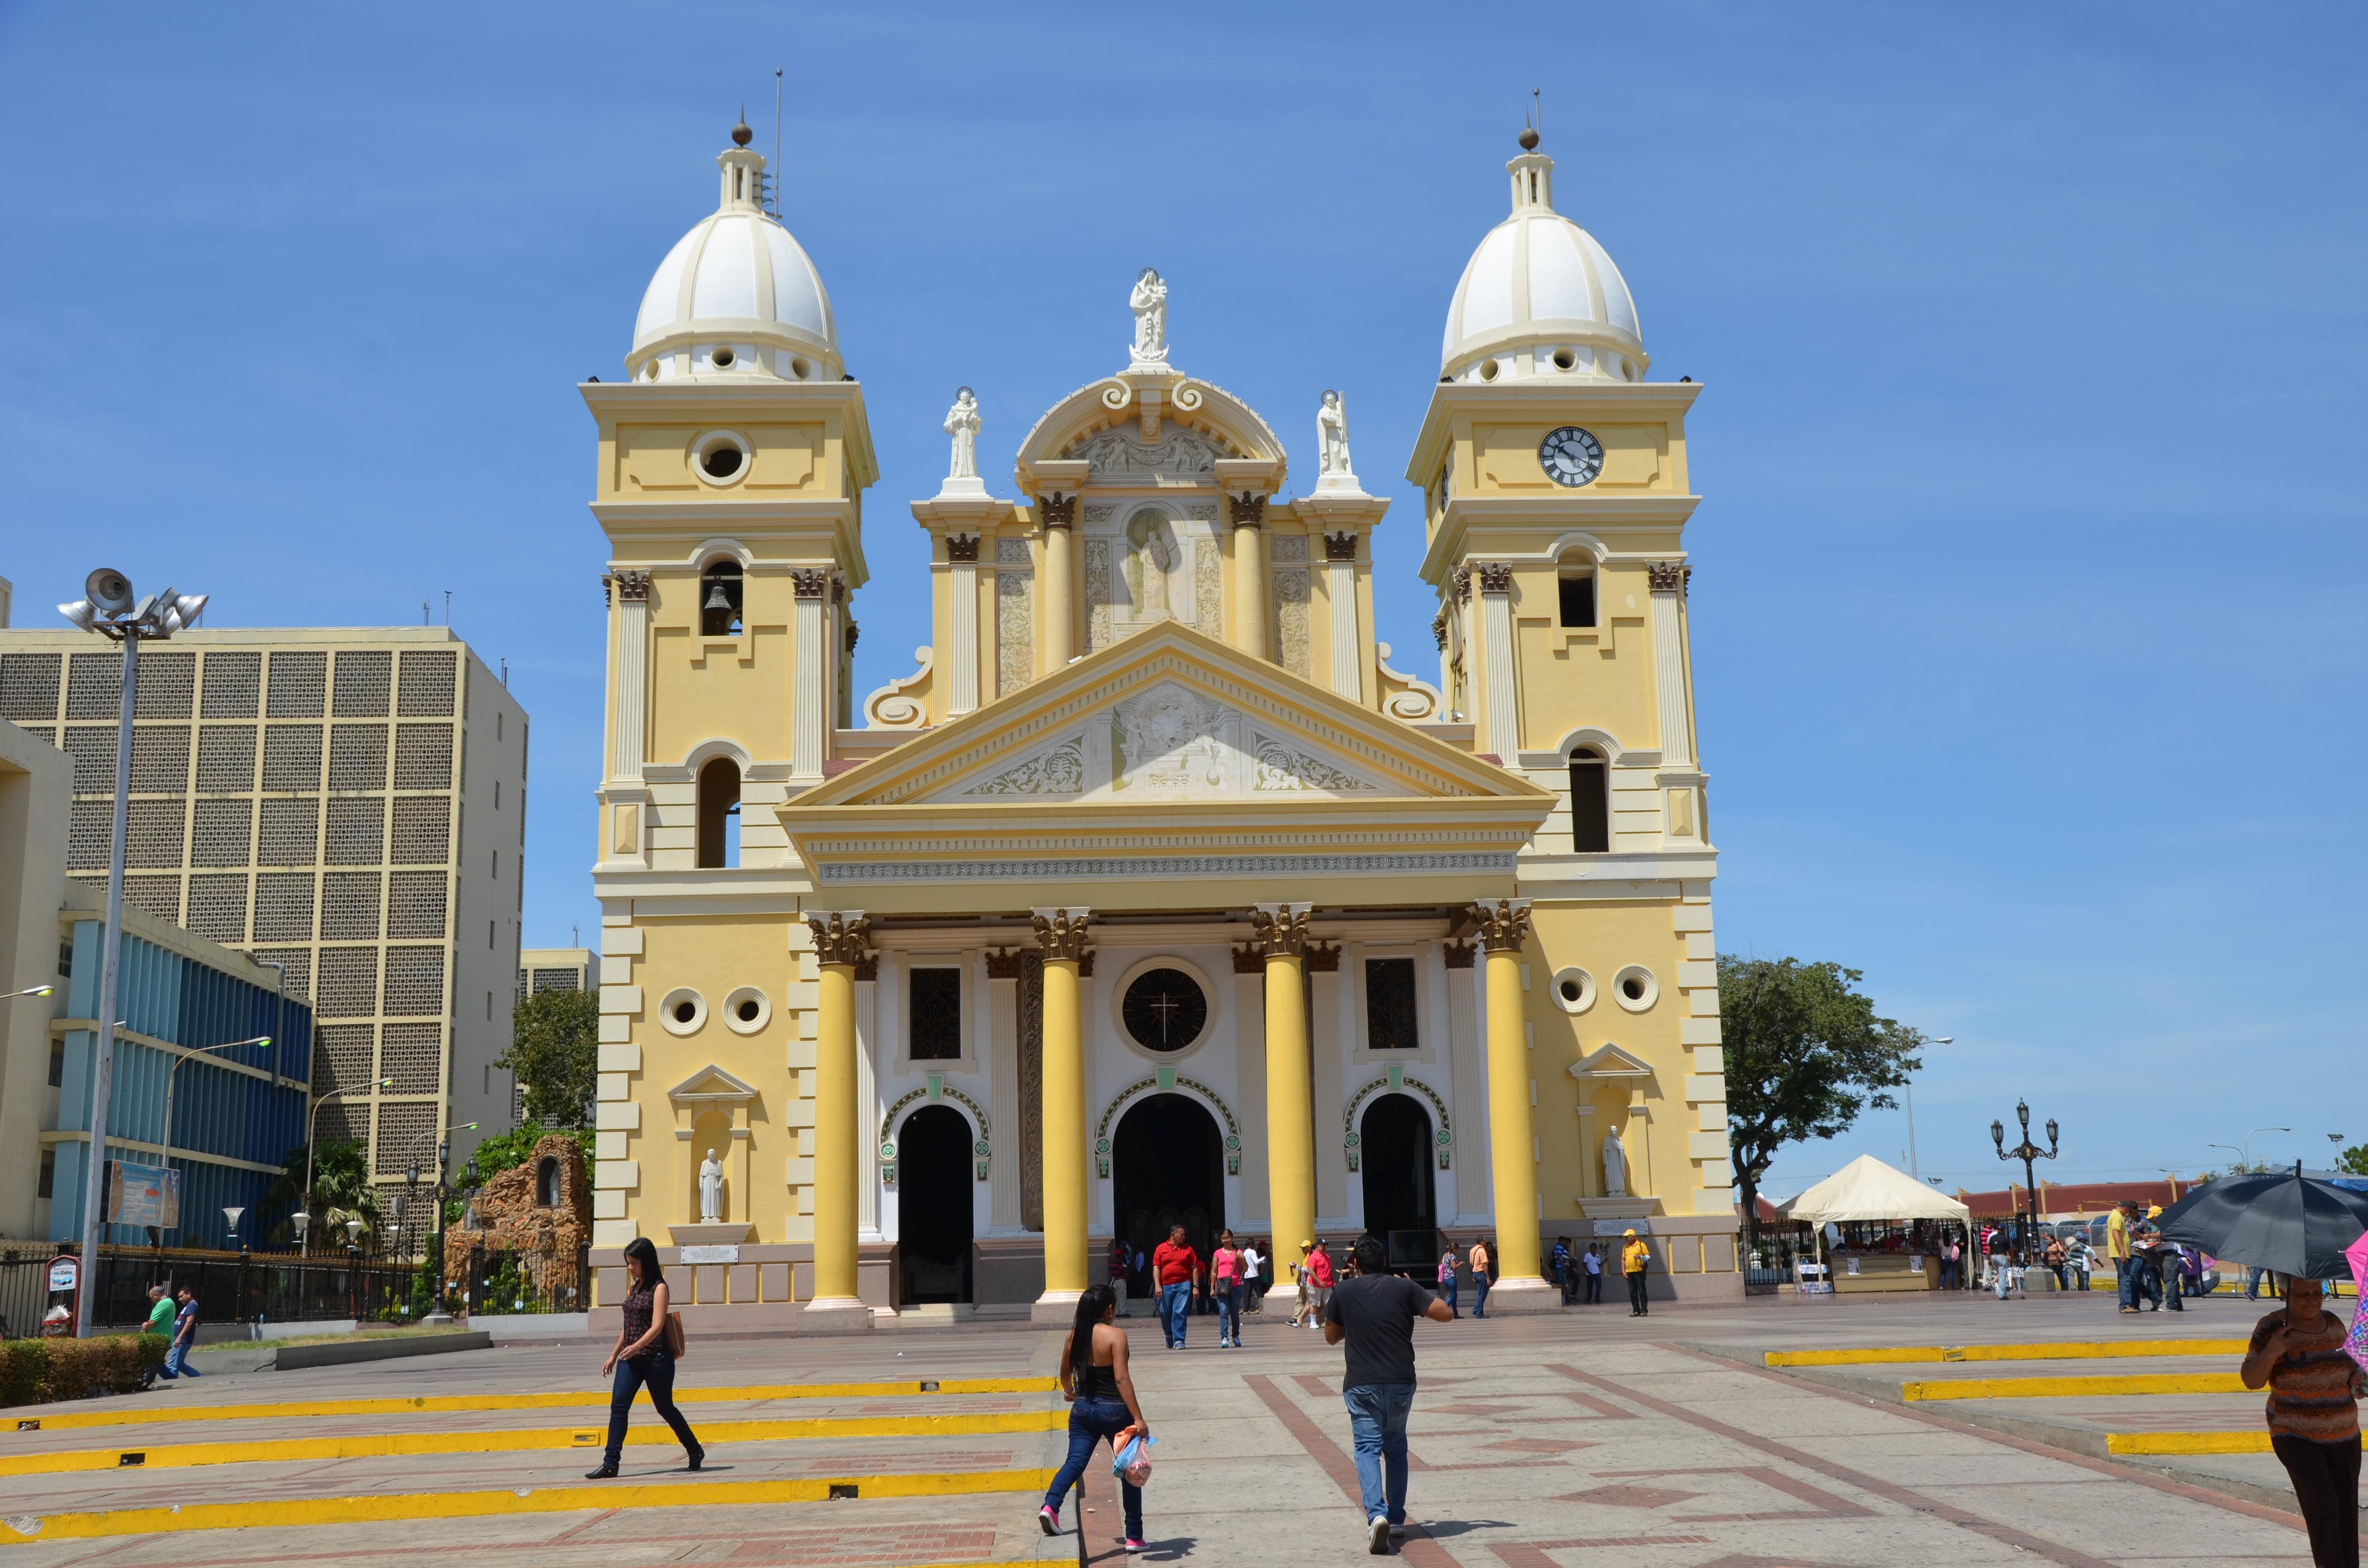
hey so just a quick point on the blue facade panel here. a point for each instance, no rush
(240, 1119)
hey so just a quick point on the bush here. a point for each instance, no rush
(37, 1371)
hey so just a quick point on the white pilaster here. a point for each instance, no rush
(868, 1108)
(809, 704)
(964, 556)
(631, 740)
(1668, 580)
(1003, 1106)
(1504, 736)
(1341, 587)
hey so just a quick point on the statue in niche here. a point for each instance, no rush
(1151, 560)
(961, 424)
(1149, 303)
(1332, 438)
(710, 1190)
(1615, 1165)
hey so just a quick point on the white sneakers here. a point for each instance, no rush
(1377, 1535)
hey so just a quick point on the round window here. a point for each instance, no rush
(721, 460)
(722, 358)
(1165, 1009)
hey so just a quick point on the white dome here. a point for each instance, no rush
(737, 296)
(1541, 298)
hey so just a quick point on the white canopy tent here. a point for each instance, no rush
(1866, 1189)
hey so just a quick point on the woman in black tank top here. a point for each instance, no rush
(1102, 1406)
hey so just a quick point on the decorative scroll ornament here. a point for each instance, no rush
(1496, 576)
(1061, 933)
(1280, 767)
(1668, 576)
(902, 704)
(1059, 511)
(1280, 930)
(1404, 696)
(633, 586)
(1503, 926)
(840, 936)
(1060, 771)
(809, 582)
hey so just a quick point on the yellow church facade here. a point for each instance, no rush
(1154, 893)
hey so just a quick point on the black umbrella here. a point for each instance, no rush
(2289, 1223)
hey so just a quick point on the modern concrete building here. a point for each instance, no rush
(348, 804)
(36, 785)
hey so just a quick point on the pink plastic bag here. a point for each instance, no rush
(2356, 1342)
(1131, 1459)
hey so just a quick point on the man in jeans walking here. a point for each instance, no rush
(185, 1339)
(1373, 1310)
(1174, 1267)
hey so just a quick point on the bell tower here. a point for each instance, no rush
(733, 460)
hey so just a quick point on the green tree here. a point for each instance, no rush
(555, 1055)
(2355, 1160)
(1806, 1053)
(341, 1191)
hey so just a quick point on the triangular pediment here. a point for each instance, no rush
(711, 1082)
(1169, 715)
(1611, 1061)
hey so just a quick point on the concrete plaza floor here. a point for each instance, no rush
(1538, 1443)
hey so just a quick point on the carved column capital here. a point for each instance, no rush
(633, 586)
(1668, 576)
(1322, 957)
(1460, 954)
(809, 582)
(850, 635)
(837, 589)
(1058, 510)
(1438, 630)
(1504, 925)
(961, 548)
(1005, 963)
(1340, 546)
(1247, 960)
(840, 936)
(1249, 509)
(1463, 585)
(1280, 930)
(1496, 576)
(1061, 933)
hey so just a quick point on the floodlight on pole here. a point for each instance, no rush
(165, 1138)
(36, 991)
(312, 1126)
(110, 608)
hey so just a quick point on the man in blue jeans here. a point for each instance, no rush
(185, 1339)
(1174, 1267)
(1373, 1310)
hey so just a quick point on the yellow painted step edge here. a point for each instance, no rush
(2187, 1443)
(21, 1530)
(367, 1445)
(2062, 1350)
(147, 1413)
(2071, 1388)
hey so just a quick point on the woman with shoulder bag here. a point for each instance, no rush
(646, 1347)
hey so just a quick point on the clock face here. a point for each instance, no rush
(1571, 456)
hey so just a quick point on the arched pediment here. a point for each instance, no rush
(1143, 428)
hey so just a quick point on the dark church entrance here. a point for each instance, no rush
(1167, 1168)
(933, 1208)
(1400, 1207)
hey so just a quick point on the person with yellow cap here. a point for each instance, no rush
(1634, 1256)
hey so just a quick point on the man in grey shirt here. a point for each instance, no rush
(1374, 1310)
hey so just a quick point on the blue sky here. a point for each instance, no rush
(2029, 595)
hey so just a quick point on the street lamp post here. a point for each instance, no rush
(1910, 1089)
(312, 1125)
(112, 612)
(165, 1142)
(2026, 1151)
(2249, 1142)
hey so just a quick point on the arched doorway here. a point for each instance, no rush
(933, 1216)
(1166, 1167)
(1401, 1207)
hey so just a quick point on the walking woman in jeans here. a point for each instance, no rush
(1100, 1392)
(640, 1357)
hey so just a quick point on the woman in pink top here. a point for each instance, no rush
(1225, 1285)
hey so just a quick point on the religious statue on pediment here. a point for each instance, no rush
(1332, 436)
(961, 424)
(1149, 303)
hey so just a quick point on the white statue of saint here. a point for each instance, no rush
(1332, 438)
(1151, 560)
(1149, 303)
(961, 424)
(710, 1190)
(1615, 1165)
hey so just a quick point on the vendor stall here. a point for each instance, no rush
(1916, 1220)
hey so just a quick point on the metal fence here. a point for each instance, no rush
(500, 1280)
(266, 1288)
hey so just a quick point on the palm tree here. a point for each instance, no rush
(341, 1189)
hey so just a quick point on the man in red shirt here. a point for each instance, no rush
(1174, 1267)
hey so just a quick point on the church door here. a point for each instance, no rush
(1167, 1168)
(933, 1213)
(1395, 1152)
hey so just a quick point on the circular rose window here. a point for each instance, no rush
(1165, 1009)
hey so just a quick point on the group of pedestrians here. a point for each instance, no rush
(172, 1317)
(1230, 1282)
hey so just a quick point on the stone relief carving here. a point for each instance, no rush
(1183, 454)
(1015, 642)
(1169, 738)
(1281, 766)
(1101, 514)
(1060, 771)
(1286, 548)
(1208, 588)
(1291, 613)
(1097, 595)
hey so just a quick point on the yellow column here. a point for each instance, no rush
(840, 939)
(1062, 935)
(1282, 938)
(1059, 633)
(1512, 1159)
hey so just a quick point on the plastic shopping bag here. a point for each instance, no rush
(1130, 1457)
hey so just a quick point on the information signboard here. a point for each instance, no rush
(144, 1195)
